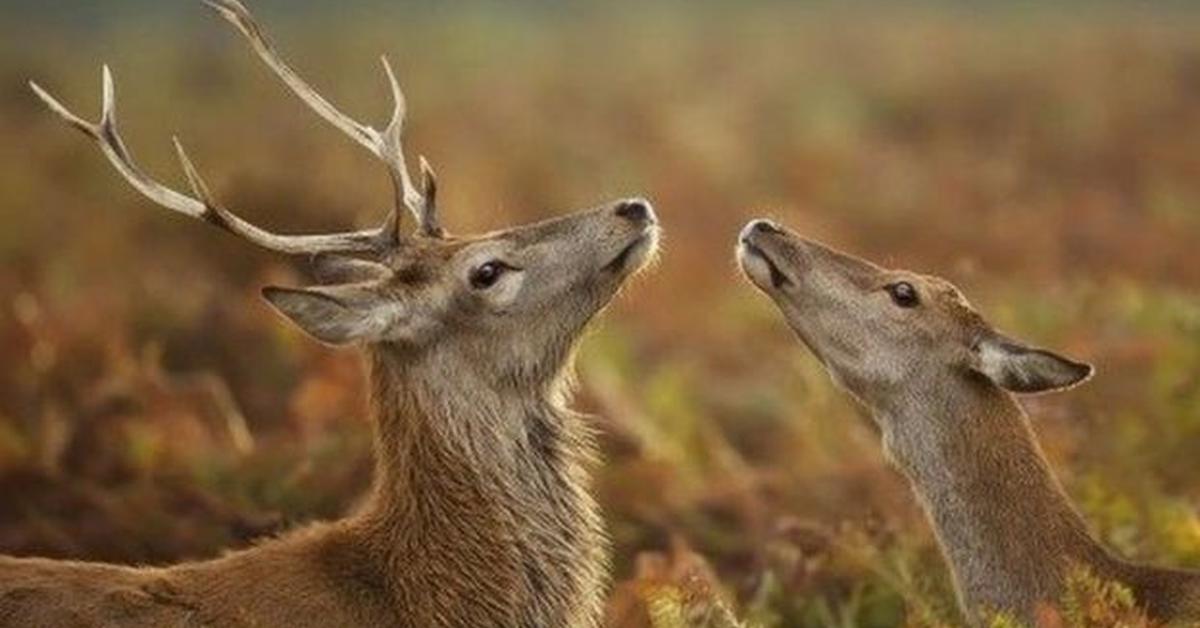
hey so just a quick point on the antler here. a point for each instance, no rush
(385, 145)
(203, 206)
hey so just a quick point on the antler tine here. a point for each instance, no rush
(429, 218)
(385, 145)
(204, 208)
(392, 152)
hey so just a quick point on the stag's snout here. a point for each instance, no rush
(636, 240)
(637, 211)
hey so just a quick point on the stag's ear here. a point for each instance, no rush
(336, 315)
(1021, 369)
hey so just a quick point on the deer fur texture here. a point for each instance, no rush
(937, 380)
(481, 512)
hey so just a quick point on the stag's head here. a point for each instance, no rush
(882, 332)
(514, 300)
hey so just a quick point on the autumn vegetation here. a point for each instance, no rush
(152, 408)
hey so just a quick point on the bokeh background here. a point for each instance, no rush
(1044, 156)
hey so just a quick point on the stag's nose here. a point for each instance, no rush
(636, 210)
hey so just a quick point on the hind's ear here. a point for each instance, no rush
(1022, 369)
(337, 315)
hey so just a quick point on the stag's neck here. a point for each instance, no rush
(1003, 520)
(481, 498)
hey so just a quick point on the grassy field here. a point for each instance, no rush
(1048, 161)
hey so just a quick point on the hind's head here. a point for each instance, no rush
(878, 331)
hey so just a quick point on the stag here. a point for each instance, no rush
(481, 511)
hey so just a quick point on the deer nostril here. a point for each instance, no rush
(636, 211)
(763, 225)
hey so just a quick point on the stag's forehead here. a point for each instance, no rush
(418, 262)
(436, 252)
(425, 250)
(420, 259)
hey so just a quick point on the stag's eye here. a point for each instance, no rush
(486, 275)
(904, 294)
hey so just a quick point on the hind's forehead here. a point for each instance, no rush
(941, 288)
(950, 299)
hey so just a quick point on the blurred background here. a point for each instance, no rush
(1044, 156)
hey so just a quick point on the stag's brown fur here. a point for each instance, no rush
(481, 513)
(936, 378)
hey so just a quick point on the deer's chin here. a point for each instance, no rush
(636, 255)
(762, 271)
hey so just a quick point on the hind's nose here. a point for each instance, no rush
(636, 210)
(762, 225)
(759, 227)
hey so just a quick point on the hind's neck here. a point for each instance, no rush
(482, 495)
(1006, 526)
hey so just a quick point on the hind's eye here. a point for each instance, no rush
(904, 294)
(486, 275)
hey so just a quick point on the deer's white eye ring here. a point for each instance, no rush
(487, 274)
(903, 294)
